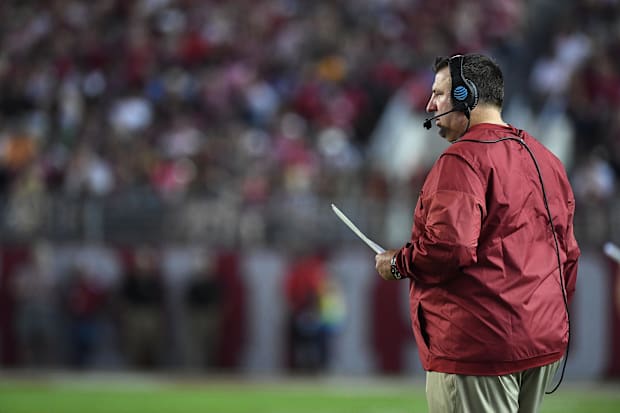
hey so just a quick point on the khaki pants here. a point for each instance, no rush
(513, 393)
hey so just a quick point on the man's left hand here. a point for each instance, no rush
(383, 265)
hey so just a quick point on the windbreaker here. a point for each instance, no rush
(486, 294)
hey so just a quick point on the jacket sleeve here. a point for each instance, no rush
(453, 211)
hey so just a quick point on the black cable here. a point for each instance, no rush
(467, 113)
(555, 240)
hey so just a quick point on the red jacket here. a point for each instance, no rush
(485, 294)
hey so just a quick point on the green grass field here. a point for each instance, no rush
(133, 394)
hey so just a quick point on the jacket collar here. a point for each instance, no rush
(488, 127)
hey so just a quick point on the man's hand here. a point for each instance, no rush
(382, 264)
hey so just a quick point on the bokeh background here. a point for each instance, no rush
(167, 169)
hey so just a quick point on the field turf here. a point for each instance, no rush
(136, 393)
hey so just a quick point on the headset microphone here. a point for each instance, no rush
(427, 121)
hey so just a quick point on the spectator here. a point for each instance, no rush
(315, 311)
(142, 301)
(202, 298)
(85, 303)
(35, 312)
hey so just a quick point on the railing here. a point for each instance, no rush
(287, 222)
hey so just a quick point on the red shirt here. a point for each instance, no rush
(485, 291)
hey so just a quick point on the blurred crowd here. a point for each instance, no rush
(247, 101)
(246, 104)
(236, 99)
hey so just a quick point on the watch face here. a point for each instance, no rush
(395, 273)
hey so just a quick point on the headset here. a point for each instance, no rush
(464, 92)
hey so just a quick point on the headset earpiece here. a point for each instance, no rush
(464, 92)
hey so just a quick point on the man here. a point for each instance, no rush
(490, 282)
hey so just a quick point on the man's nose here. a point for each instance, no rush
(431, 106)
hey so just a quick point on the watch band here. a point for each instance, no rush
(395, 273)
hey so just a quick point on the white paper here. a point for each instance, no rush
(375, 247)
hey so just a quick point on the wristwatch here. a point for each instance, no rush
(395, 273)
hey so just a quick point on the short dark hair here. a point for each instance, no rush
(484, 72)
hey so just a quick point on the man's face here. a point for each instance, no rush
(452, 125)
